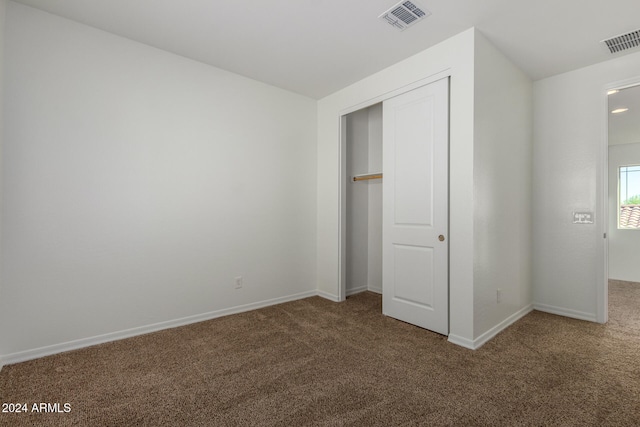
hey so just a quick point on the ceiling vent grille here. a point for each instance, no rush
(404, 14)
(623, 42)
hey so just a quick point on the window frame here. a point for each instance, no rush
(619, 200)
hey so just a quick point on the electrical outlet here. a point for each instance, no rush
(498, 295)
(239, 282)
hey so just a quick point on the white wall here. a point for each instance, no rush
(502, 189)
(3, 6)
(568, 173)
(624, 245)
(452, 57)
(137, 184)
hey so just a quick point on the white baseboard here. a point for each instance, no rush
(356, 290)
(349, 292)
(23, 356)
(327, 295)
(114, 336)
(575, 314)
(484, 338)
(461, 341)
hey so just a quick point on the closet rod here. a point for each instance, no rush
(367, 176)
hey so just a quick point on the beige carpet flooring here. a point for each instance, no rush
(314, 362)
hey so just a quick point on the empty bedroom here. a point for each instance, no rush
(361, 213)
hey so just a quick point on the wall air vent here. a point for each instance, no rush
(404, 14)
(623, 41)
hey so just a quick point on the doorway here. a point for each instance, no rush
(623, 201)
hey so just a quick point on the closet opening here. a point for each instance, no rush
(394, 227)
(361, 259)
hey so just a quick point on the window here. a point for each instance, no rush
(629, 197)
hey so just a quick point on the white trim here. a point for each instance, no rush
(342, 210)
(23, 356)
(399, 91)
(461, 341)
(356, 290)
(622, 84)
(575, 314)
(375, 289)
(602, 269)
(330, 297)
(487, 336)
(484, 338)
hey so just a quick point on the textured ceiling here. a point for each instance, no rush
(316, 47)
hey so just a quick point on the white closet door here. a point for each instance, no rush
(416, 207)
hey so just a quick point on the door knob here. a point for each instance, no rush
(441, 238)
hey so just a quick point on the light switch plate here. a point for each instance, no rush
(583, 217)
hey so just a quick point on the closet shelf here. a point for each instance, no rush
(367, 176)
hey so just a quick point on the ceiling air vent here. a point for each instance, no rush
(404, 14)
(623, 42)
